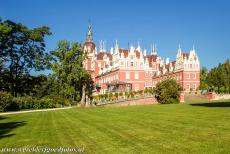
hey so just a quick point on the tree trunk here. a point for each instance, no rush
(87, 103)
(83, 97)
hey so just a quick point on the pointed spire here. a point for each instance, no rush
(145, 52)
(89, 34)
(138, 46)
(104, 46)
(116, 44)
(193, 48)
(179, 49)
(116, 48)
(153, 49)
(167, 61)
(111, 50)
(101, 46)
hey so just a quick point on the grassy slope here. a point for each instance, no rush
(179, 128)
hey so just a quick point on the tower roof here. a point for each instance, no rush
(89, 37)
(90, 46)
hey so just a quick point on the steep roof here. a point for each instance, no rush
(102, 54)
(185, 55)
(151, 59)
(90, 45)
(125, 51)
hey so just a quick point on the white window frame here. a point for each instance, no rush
(194, 86)
(136, 76)
(187, 75)
(188, 85)
(127, 75)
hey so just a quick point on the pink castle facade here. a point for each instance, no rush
(132, 69)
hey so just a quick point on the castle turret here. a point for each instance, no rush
(89, 46)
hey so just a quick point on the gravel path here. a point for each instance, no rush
(42, 110)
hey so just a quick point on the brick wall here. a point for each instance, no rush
(143, 101)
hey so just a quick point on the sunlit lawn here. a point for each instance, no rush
(180, 128)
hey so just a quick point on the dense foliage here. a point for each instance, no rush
(10, 103)
(218, 78)
(5, 101)
(167, 92)
(73, 81)
(22, 50)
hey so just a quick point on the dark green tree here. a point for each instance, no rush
(74, 81)
(203, 78)
(224, 70)
(22, 50)
(167, 92)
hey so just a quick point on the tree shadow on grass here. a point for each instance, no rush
(7, 127)
(213, 104)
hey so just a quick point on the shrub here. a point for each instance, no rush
(146, 90)
(132, 94)
(110, 96)
(140, 92)
(167, 92)
(25, 102)
(5, 101)
(106, 96)
(116, 95)
(127, 94)
(121, 94)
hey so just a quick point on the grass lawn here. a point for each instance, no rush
(179, 128)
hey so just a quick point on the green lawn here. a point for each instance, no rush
(179, 128)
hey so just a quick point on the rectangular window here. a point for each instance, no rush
(147, 74)
(150, 74)
(194, 87)
(187, 76)
(131, 64)
(187, 87)
(127, 75)
(136, 76)
(141, 65)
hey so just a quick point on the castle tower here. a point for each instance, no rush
(90, 48)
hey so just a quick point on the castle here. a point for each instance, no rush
(133, 69)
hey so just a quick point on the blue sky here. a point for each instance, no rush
(204, 23)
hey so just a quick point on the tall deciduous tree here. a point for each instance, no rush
(22, 50)
(74, 81)
(220, 76)
(203, 78)
(225, 68)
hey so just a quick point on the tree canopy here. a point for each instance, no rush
(69, 72)
(219, 77)
(167, 91)
(22, 50)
